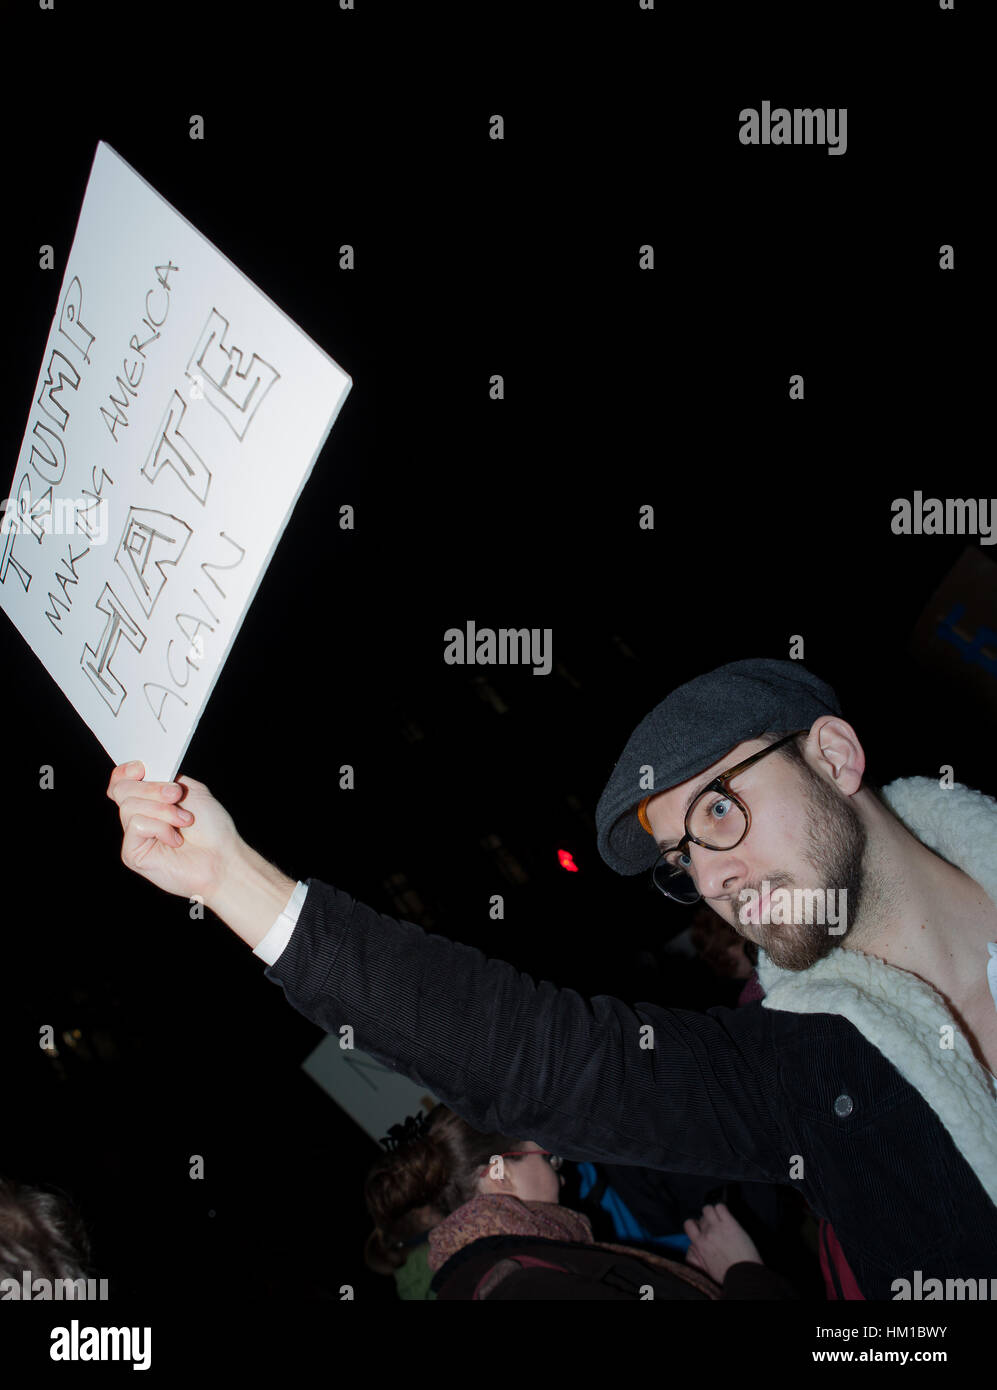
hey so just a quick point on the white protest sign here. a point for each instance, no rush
(371, 1094)
(177, 417)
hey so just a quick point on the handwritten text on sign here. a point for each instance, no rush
(177, 417)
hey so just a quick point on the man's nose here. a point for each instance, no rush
(718, 872)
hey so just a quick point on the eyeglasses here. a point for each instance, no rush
(554, 1159)
(717, 819)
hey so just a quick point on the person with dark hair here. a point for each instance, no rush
(43, 1243)
(721, 949)
(459, 1213)
(864, 1071)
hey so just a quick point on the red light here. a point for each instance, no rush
(566, 862)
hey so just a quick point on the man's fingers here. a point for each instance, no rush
(147, 809)
(158, 793)
(124, 787)
(135, 773)
(123, 771)
(142, 829)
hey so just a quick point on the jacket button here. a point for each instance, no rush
(843, 1105)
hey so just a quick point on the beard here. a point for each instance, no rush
(836, 838)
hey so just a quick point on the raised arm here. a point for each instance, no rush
(591, 1079)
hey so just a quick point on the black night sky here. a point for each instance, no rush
(624, 389)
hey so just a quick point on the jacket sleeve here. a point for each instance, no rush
(533, 1061)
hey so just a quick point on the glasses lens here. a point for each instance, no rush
(717, 820)
(669, 875)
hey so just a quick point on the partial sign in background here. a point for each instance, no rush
(371, 1094)
(177, 416)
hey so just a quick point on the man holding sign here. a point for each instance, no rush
(865, 1078)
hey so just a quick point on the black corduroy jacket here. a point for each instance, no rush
(753, 1094)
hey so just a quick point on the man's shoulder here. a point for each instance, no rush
(780, 1028)
(783, 1030)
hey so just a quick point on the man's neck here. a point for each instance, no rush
(921, 913)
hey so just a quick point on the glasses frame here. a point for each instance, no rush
(719, 784)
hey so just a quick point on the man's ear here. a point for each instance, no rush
(833, 749)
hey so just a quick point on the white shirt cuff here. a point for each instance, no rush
(280, 933)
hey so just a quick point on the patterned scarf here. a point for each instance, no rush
(505, 1215)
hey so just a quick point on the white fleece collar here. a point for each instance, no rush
(897, 1012)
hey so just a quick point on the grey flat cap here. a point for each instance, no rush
(692, 728)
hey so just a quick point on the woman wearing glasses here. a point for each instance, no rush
(465, 1215)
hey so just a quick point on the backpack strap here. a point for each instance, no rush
(589, 1271)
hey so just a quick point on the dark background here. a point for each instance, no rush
(623, 388)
